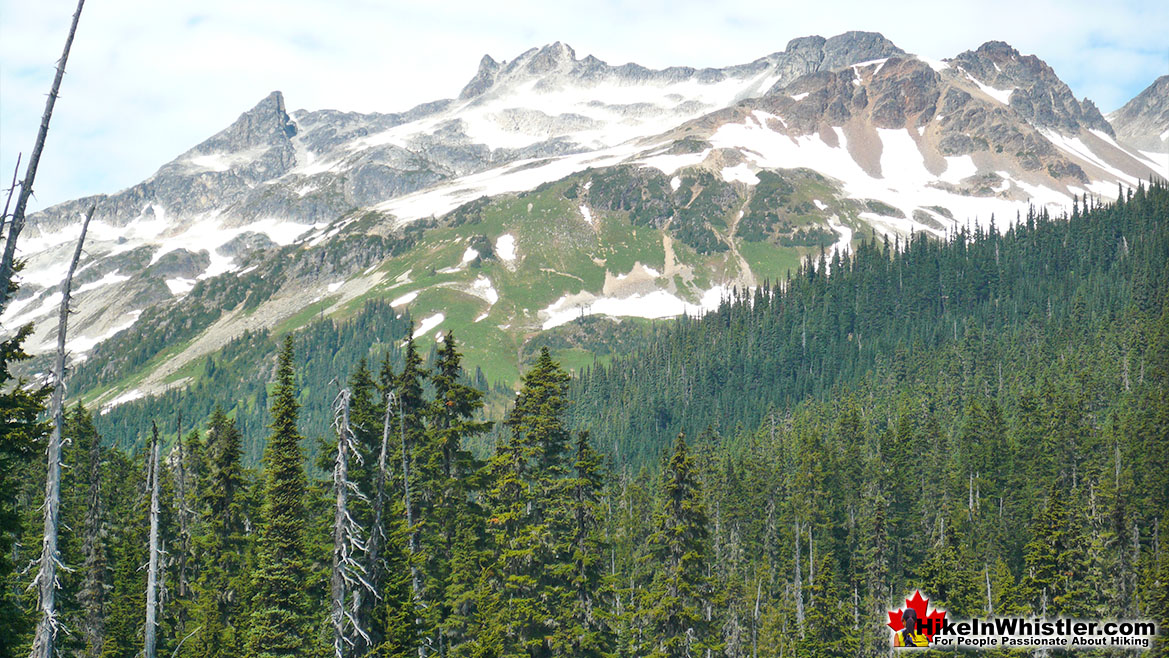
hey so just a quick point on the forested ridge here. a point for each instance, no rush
(985, 419)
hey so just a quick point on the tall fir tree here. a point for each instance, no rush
(584, 596)
(280, 624)
(219, 589)
(20, 432)
(526, 472)
(678, 600)
(451, 479)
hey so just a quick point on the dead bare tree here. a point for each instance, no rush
(377, 535)
(185, 513)
(46, 581)
(17, 223)
(152, 573)
(347, 570)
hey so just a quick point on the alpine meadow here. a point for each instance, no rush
(597, 361)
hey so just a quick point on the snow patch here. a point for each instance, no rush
(109, 279)
(799, 97)
(180, 286)
(936, 65)
(670, 163)
(128, 396)
(405, 299)
(588, 214)
(905, 184)
(675, 183)
(820, 204)
(958, 168)
(428, 323)
(483, 289)
(1076, 147)
(82, 344)
(1001, 95)
(505, 247)
(741, 173)
(335, 285)
(653, 305)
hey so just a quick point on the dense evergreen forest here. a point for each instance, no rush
(984, 418)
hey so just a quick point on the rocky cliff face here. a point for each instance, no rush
(1143, 122)
(1031, 87)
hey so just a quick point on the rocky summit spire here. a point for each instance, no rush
(266, 124)
(484, 78)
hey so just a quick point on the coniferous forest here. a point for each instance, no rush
(983, 418)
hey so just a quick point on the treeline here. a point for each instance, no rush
(1004, 450)
(838, 319)
(236, 379)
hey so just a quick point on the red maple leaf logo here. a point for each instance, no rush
(931, 621)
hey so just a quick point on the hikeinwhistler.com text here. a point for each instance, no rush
(1038, 633)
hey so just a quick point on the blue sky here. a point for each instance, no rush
(148, 79)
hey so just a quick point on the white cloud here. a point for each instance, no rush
(148, 80)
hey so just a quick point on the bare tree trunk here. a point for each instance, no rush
(46, 634)
(11, 191)
(377, 534)
(184, 512)
(17, 224)
(347, 571)
(340, 514)
(152, 573)
(755, 621)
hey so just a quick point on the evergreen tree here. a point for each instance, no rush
(20, 432)
(220, 546)
(129, 550)
(525, 472)
(581, 607)
(279, 617)
(679, 599)
(451, 478)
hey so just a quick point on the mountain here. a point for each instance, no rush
(1143, 122)
(554, 187)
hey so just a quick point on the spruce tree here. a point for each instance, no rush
(280, 624)
(584, 597)
(20, 431)
(451, 480)
(219, 545)
(678, 599)
(525, 476)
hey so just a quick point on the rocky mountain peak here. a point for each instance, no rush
(266, 124)
(1030, 87)
(852, 47)
(1143, 122)
(532, 63)
(484, 78)
(815, 54)
(550, 58)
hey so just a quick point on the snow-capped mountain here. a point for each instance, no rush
(734, 173)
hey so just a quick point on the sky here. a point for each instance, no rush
(149, 79)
